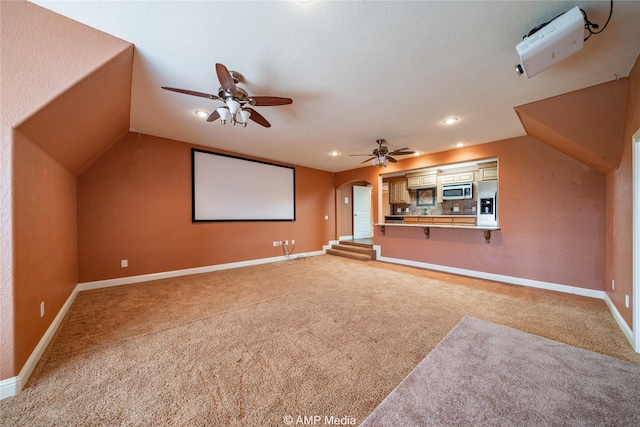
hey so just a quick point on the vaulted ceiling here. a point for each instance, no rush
(356, 71)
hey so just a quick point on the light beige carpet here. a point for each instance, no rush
(484, 374)
(324, 336)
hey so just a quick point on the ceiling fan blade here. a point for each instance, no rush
(191, 92)
(256, 117)
(213, 116)
(226, 81)
(368, 160)
(267, 101)
(401, 152)
(370, 155)
(391, 159)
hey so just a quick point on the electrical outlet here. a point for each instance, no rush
(286, 242)
(326, 217)
(293, 242)
(124, 263)
(275, 243)
(42, 309)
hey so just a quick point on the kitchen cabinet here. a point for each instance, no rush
(488, 174)
(422, 180)
(398, 193)
(441, 220)
(464, 221)
(458, 178)
(418, 220)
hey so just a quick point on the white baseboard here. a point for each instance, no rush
(331, 243)
(626, 330)
(185, 272)
(12, 386)
(498, 277)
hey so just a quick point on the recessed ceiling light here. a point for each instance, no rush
(201, 113)
(334, 153)
(450, 120)
(417, 153)
(460, 144)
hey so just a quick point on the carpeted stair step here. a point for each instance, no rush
(352, 250)
(349, 254)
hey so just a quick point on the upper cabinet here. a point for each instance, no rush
(488, 171)
(455, 178)
(398, 193)
(417, 180)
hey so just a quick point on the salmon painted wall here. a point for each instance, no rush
(577, 123)
(46, 241)
(44, 56)
(551, 218)
(620, 212)
(134, 203)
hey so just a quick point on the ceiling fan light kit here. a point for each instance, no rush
(238, 102)
(379, 161)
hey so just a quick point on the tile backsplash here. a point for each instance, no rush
(446, 207)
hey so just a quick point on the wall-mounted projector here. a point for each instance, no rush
(555, 41)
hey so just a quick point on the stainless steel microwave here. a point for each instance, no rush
(457, 191)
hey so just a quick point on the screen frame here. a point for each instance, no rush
(198, 218)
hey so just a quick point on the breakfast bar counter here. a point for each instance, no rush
(467, 222)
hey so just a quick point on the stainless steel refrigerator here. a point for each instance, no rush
(487, 204)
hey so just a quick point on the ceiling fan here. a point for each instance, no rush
(237, 101)
(381, 155)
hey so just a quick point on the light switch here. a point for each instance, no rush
(346, 200)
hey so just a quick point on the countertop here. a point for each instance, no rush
(442, 215)
(424, 225)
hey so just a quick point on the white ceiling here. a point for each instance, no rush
(356, 71)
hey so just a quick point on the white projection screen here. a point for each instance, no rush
(230, 188)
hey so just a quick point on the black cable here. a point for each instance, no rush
(588, 24)
(538, 28)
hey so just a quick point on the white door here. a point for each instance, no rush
(361, 212)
